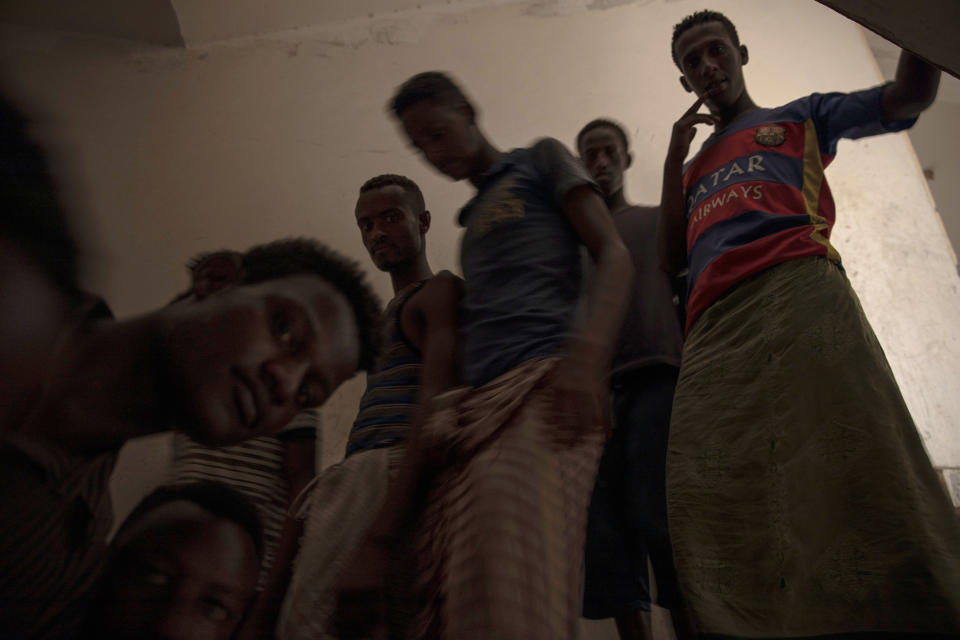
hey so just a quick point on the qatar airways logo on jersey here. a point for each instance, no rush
(731, 170)
(753, 191)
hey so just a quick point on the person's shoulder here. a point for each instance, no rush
(548, 145)
(444, 285)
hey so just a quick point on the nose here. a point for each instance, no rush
(435, 154)
(708, 67)
(376, 233)
(282, 377)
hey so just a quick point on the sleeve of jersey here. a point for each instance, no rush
(851, 115)
(561, 170)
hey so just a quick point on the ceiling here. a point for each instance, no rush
(179, 23)
(188, 23)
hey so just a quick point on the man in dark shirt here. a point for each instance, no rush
(627, 523)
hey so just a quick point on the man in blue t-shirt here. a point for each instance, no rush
(801, 502)
(505, 518)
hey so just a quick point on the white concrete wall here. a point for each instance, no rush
(238, 142)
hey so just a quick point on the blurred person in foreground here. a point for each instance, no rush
(253, 343)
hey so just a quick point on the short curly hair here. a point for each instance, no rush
(428, 85)
(607, 124)
(391, 179)
(701, 17)
(216, 498)
(292, 256)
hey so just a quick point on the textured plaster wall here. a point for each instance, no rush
(170, 153)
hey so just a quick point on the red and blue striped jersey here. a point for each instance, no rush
(756, 194)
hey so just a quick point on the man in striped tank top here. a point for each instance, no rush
(355, 531)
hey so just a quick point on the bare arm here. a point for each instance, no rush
(581, 380)
(437, 308)
(672, 224)
(913, 89)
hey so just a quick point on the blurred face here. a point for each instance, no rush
(391, 230)
(446, 136)
(244, 360)
(711, 64)
(180, 573)
(605, 158)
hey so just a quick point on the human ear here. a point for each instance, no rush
(215, 271)
(744, 55)
(629, 160)
(686, 85)
(424, 222)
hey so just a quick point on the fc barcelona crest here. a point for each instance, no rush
(771, 136)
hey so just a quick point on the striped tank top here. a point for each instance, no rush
(386, 406)
(254, 467)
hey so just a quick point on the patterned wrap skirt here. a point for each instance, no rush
(801, 501)
(501, 539)
(338, 508)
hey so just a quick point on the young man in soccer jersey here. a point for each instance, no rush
(504, 524)
(355, 562)
(800, 499)
(628, 521)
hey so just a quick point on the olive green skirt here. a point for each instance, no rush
(801, 501)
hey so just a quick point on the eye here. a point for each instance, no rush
(215, 610)
(281, 329)
(718, 49)
(392, 218)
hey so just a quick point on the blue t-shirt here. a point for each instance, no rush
(521, 262)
